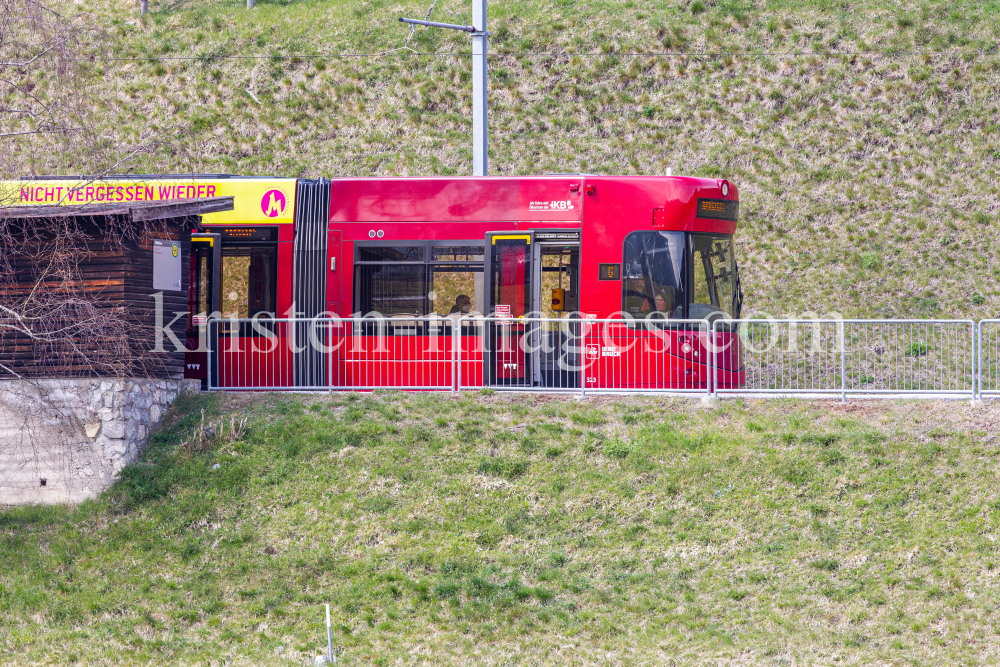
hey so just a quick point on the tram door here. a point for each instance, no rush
(203, 301)
(557, 341)
(510, 295)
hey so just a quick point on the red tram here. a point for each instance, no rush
(536, 257)
(567, 281)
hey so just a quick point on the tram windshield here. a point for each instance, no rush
(679, 275)
(654, 270)
(714, 276)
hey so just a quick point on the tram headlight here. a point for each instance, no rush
(686, 347)
(725, 188)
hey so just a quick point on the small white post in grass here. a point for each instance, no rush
(144, 6)
(329, 637)
(251, 3)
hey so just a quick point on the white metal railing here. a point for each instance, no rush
(935, 357)
(356, 353)
(583, 355)
(834, 358)
(988, 358)
(787, 356)
(858, 357)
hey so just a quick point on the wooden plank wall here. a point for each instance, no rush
(118, 280)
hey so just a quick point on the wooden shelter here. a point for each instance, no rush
(80, 287)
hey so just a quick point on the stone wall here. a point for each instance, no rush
(62, 441)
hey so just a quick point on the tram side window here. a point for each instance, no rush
(418, 280)
(456, 288)
(714, 276)
(249, 281)
(391, 289)
(653, 270)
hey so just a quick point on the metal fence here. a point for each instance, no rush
(832, 358)
(359, 353)
(857, 357)
(988, 359)
(580, 355)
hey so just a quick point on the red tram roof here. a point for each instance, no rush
(558, 198)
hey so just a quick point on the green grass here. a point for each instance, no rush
(879, 166)
(523, 530)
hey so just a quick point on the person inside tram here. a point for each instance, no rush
(663, 301)
(462, 305)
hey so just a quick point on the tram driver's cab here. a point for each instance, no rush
(665, 276)
(680, 275)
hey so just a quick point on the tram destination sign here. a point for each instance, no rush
(247, 233)
(718, 209)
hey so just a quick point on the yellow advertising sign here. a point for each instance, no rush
(255, 200)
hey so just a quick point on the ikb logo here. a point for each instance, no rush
(273, 203)
(553, 205)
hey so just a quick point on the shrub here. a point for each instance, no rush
(503, 466)
(826, 564)
(587, 418)
(871, 261)
(796, 472)
(832, 457)
(617, 449)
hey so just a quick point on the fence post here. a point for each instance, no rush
(977, 361)
(458, 356)
(454, 345)
(329, 356)
(712, 348)
(843, 360)
(208, 354)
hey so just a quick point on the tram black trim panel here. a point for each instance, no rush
(718, 209)
(309, 274)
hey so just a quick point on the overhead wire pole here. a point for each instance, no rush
(480, 150)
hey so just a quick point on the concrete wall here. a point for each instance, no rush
(62, 441)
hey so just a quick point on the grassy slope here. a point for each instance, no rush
(869, 183)
(525, 530)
